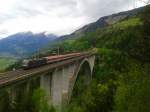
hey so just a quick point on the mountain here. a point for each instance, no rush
(102, 22)
(25, 43)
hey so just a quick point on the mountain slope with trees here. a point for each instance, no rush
(121, 74)
(102, 22)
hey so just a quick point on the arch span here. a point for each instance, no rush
(86, 67)
(64, 78)
(82, 78)
(87, 64)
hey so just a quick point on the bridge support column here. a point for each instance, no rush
(45, 84)
(65, 84)
(60, 85)
(57, 87)
(13, 94)
(68, 73)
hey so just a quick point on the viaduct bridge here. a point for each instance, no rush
(56, 79)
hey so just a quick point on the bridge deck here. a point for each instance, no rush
(14, 76)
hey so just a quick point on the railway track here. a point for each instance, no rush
(13, 76)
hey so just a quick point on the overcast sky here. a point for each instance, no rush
(55, 16)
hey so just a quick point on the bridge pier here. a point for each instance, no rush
(57, 85)
(45, 84)
(13, 94)
(60, 84)
(68, 73)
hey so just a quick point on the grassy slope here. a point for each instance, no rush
(5, 62)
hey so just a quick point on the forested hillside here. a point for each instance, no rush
(102, 22)
(121, 75)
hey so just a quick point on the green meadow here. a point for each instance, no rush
(5, 62)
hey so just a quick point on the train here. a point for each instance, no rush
(33, 63)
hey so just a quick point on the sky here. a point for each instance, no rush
(58, 17)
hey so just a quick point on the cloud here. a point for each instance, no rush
(54, 16)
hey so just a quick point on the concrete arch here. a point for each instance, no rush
(86, 69)
(82, 69)
(90, 64)
(87, 64)
(90, 61)
(84, 63)
(64, 78)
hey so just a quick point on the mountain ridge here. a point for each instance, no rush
(102, 22)
(24, 43)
